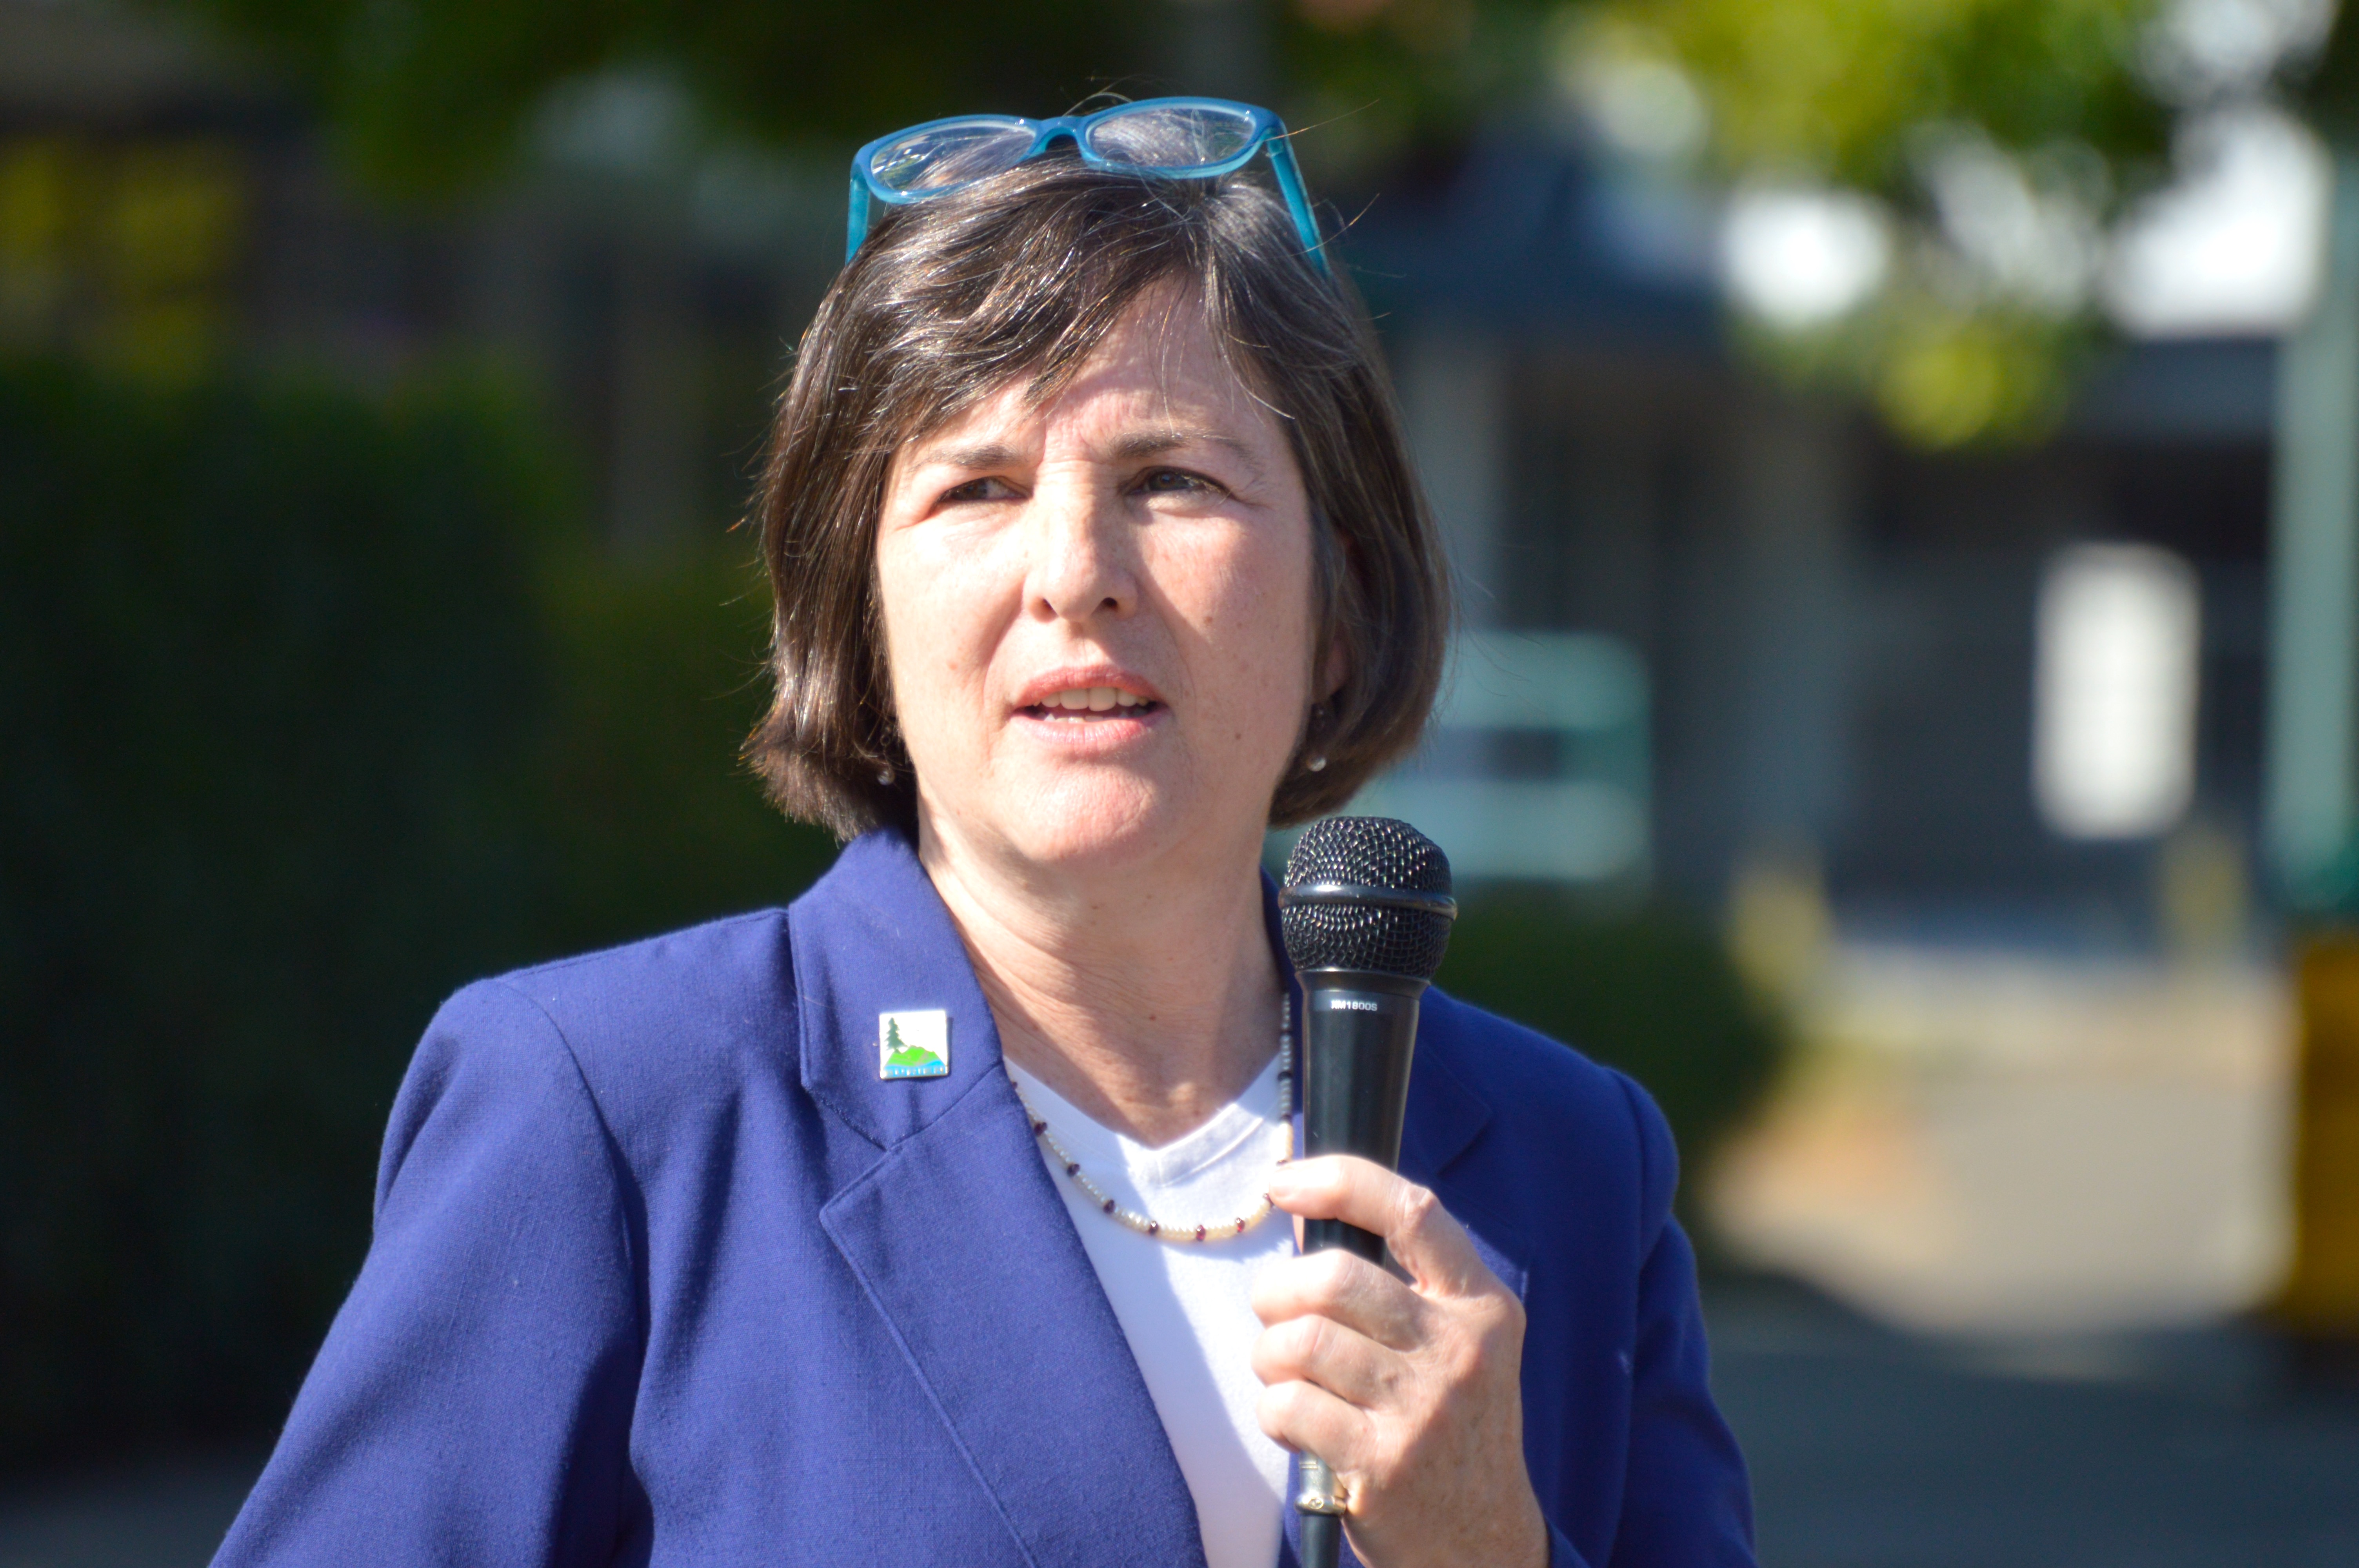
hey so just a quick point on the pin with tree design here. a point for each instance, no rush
(913, 1044)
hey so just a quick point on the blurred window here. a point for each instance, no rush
(1536, 766)
(2114, 699)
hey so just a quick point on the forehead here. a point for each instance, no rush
(1161, 357)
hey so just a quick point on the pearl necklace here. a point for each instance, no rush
(1147, 1224)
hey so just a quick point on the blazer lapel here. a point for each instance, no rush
(961, 1242)
(1445, 1117)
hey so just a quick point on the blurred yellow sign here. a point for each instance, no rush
(2321, 1293)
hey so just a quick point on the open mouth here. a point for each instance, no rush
(1092, 704)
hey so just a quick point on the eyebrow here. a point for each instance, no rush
(1169, 438)
(1142, 444)
(981, 455)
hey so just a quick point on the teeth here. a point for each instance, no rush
(1091, 699)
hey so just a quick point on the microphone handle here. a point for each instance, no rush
(1359, 1036)
(1323, 1537)
(1325, 1234)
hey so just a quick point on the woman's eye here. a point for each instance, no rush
(1172, 481)
(978, 489)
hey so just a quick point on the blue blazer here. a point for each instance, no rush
(664, 1274)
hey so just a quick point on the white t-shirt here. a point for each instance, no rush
(1187, 1309)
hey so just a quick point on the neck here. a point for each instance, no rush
(1147, 996)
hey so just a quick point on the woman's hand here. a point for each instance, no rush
(1409, 1391)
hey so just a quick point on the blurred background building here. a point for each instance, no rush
(1891, 466)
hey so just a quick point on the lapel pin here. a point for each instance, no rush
(913, 1044)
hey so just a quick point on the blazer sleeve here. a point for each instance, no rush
(472, 1404)
(1686, 1500)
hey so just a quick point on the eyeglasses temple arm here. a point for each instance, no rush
(855, 218)
(1289, 185)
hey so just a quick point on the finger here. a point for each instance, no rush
(1430, 1245)
(1319, 1351)
(1307, 1418)
(1349, 1290)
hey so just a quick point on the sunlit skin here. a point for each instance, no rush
(1142, 537)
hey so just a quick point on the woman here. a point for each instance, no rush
(921, 1222)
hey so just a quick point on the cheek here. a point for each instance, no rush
(1277, 580)
(933, 631)
(1255, 611)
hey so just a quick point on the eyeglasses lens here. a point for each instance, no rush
(1167, 138)
(950, 156)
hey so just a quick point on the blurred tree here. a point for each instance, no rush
(1986, 146)
(1843, 90)
(319, 705)
(1377, 78)
(267, 664)
(1991, 148)
(1957, 167)
(427, 96)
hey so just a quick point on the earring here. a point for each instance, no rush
(1316, 762)
(885, 774)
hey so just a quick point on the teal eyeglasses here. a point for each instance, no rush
(1170, 138)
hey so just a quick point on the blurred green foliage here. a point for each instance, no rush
(1979, 128)
(1940, 370)
(1372, 80)
(2050, 109)
(316, 710)
(425, 95)
(1841, 90)
(648, 821)
(1647, 990)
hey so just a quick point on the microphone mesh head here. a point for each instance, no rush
(1374, 852)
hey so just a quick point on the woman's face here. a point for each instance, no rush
(1097, 608)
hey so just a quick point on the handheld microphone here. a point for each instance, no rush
(1365, 911)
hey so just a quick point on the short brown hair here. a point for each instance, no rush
(1023, 275)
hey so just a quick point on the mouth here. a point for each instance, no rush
(1091, 705)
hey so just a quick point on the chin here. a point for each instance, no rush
(1091, 817)
(1110, 819)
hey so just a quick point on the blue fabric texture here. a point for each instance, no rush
(665, 1273)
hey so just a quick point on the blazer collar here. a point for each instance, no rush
(963, 1246)
(871, 937)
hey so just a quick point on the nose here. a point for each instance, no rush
(1083, 553)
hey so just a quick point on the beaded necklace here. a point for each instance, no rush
(1147, 1224)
